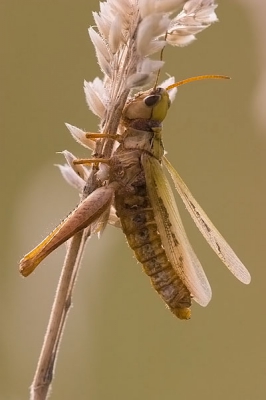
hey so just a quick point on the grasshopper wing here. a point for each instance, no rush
(173, 236)
(208, 230)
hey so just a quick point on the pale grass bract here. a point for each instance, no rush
(123, 182)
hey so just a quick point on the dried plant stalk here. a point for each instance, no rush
(46, 364)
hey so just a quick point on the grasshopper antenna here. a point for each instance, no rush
(161, 59)
(196, 78)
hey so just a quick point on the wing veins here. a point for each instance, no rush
(173, 236)
(207, 229)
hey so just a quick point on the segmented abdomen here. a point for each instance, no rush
(140, 228)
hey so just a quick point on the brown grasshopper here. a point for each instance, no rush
(139, 191)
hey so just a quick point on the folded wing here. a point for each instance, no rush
(208, 230)
(173, 236)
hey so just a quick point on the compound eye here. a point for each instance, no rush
(151, 100)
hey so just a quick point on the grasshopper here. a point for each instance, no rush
(137, 187)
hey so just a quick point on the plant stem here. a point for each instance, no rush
(44, 373)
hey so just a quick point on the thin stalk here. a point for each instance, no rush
(46, 364)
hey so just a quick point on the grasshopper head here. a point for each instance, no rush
(150, 105)
(154, 103)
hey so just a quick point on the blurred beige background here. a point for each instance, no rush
(120, 341)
